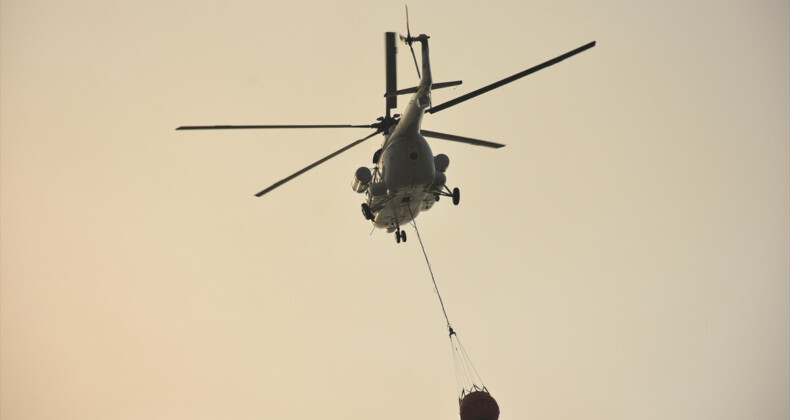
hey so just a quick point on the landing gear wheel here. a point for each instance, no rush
(400, 236)
(366, 211)
(397, 237)
(403, 235)
(456, 196)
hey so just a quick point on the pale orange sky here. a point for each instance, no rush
(625, 256)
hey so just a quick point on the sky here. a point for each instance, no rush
(624, 256)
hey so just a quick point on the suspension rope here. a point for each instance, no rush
(430, 270)
(466, 375)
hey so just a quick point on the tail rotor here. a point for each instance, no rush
(409, 41)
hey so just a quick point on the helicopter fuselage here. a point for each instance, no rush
(408, 172)
(405, 180)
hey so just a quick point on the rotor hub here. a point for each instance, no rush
(384, 124)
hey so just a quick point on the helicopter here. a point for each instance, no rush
(406, 178)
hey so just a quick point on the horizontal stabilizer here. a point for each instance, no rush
(414, 89)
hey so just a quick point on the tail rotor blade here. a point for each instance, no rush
(408, 31)
(414, 56)
(313, 165)
(512, 78)
(409, 40)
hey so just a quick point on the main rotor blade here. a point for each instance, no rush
(512, 78)
(246, 127)
(390, 52)
(461, 139)
(286, 179)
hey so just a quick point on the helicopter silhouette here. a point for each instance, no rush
(406, 178)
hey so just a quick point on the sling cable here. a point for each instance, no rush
(475, 402)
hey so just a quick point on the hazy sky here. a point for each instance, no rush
(626, 256)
